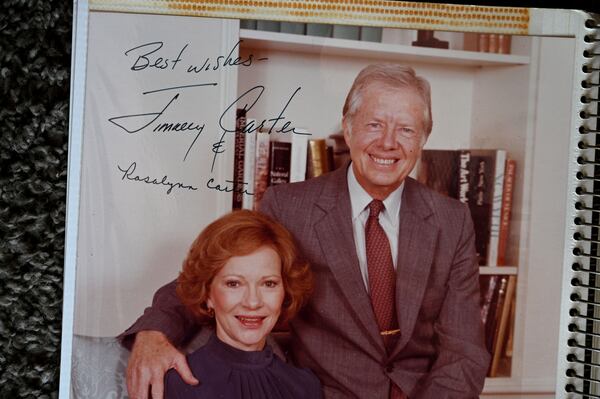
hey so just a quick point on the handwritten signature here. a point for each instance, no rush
(229, 187)
(129, 174)
(134, 123)
(148, 57)
(247, 101)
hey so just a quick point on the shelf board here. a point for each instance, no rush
(504, 270)
(257, 39)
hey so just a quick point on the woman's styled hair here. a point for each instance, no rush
(240, 233)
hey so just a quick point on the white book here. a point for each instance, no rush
(249, 162)
(492, 259)
(299, 154)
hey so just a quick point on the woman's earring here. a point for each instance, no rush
(211, 312)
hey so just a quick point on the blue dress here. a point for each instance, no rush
(230, 373)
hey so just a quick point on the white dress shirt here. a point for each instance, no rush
(389, 219)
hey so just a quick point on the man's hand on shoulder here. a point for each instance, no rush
(151, 357)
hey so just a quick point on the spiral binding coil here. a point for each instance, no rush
(584, 343)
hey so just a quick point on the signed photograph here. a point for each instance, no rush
(334, 158)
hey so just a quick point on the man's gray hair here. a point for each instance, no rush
(393, 75)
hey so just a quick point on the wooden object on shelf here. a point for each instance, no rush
(483, 43)
(341, 152)
(470, 41)
(504, 43)
(493, 43)
(425, 38)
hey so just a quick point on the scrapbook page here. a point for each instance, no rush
(185, 111)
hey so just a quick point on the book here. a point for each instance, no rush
(476, 178)
(238, 160)
(507, 197)
(504, 42)
(269, 26)
(261, 168)
(487, 285)
(371, 33)
(318, 162)
(346, 32)
(485, 200)
(497, 196)
(249, 164)
(441, 171)
(325, 30)
(297, 28)
(279, 158)
(299, 155)
(502, 323)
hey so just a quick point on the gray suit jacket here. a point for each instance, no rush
(441, 351)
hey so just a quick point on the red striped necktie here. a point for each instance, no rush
(382, 281)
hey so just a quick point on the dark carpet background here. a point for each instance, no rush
(35, 51)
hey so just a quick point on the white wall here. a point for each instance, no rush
(133, 236)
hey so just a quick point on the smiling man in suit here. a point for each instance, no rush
(395, 310)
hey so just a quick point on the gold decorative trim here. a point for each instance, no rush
(390, 14)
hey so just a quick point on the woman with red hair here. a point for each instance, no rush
(243, 275)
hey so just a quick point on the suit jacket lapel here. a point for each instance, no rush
(336, 237)
(416, 246)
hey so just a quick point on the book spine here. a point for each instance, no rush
(299, 155)
(346, 32)
(439, 170)
(280, 163)
(238, 165)
(498, 190)
(493, 316)
(488, 288)
(261, 177)
(502, 324)
(507, 195)
(480, 193)
(249, 165)
(317, 158)
(504, 42)
(493, 43)
(297, 28)
(324, 30)
(371, 34)
(464, 162)
(483, 44)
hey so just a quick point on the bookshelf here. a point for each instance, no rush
(497, 101)
(271, 41)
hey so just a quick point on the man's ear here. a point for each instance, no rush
(346, 130)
